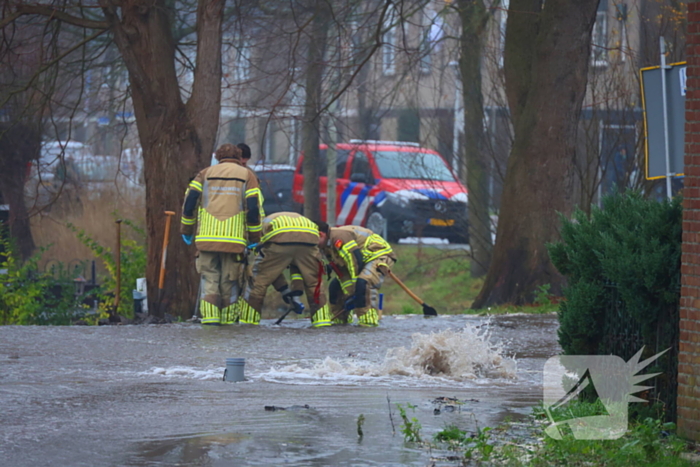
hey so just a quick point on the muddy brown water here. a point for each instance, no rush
(154, 395)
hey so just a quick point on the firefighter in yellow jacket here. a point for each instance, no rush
(228, 217)
(361, 259)
(288, 240)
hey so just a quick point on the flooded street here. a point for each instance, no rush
(154, 395)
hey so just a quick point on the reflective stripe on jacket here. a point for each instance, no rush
(289, 227)
(352, 246)
(229, 208)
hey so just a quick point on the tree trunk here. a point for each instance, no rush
(311, 125)
(545, 89)
(177, 139)
(474, 17)
(20, 144)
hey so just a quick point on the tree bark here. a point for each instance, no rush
(474, 17)
(177, 138)
(545, 90)
(311, 125)
(20, 144)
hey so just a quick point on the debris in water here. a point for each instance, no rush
(452, 400)
(273, 408)
(360, 422)
(449, 404)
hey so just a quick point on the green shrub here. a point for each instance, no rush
(623, 270)
(133, 265)
(30, 296)
(633, 244)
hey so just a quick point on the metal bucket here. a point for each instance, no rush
(234, 371)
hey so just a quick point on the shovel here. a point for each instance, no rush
(164, 255)
(281, 318)
(427, 310)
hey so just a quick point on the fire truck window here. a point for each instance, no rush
(361, 170)
(341, 162)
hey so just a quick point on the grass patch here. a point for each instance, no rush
(442, 279)
(648, 442)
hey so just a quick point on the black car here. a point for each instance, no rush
(276, 185)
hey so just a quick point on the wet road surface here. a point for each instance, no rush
(154, 395)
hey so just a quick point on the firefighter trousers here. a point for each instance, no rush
(220, 285)
(342, 288)
(270, 263)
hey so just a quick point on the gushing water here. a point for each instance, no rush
(448, 355)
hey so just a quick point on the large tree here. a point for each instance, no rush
(474, 18)
(547, 53)
(316, 48)
(177, 136)
(24, 92)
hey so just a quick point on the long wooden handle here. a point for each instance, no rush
(406, 289)
(168, 216)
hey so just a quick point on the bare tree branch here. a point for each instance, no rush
(53, 13)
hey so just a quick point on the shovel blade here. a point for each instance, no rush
(429, 310)
(281, 318)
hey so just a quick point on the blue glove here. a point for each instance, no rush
(349, 304)
(188, 238)
(298, 306)
(291, 297)
(252, 246)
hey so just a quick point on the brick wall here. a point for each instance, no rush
(689, 355)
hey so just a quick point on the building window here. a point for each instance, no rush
(389, 40)
(425, 45)
(502, 20)
(241, 64)
(622, 14)
(599, 40)
(409, 125)
(236, 130)
(432, 33)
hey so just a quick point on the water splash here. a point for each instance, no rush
(458, 355)
(466, 354)
(186, 372)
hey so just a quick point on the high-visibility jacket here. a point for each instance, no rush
(350, 247)
(289, 227)
(229, 214)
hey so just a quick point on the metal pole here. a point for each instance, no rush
(492, 165)
(600, 173)
(331, 181)
(458, 118)
(119, 266)
(667, 154)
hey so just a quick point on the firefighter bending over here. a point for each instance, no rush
(228, 217)
(360, 259)
(288, 240)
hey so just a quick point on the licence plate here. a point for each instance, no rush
(442, 222)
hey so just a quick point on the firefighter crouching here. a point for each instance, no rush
(228, 217)
(360, 259)
(288, 240)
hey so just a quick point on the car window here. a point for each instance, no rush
(412, 165)
(341, 160)
(360, 166)
(275, 180)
